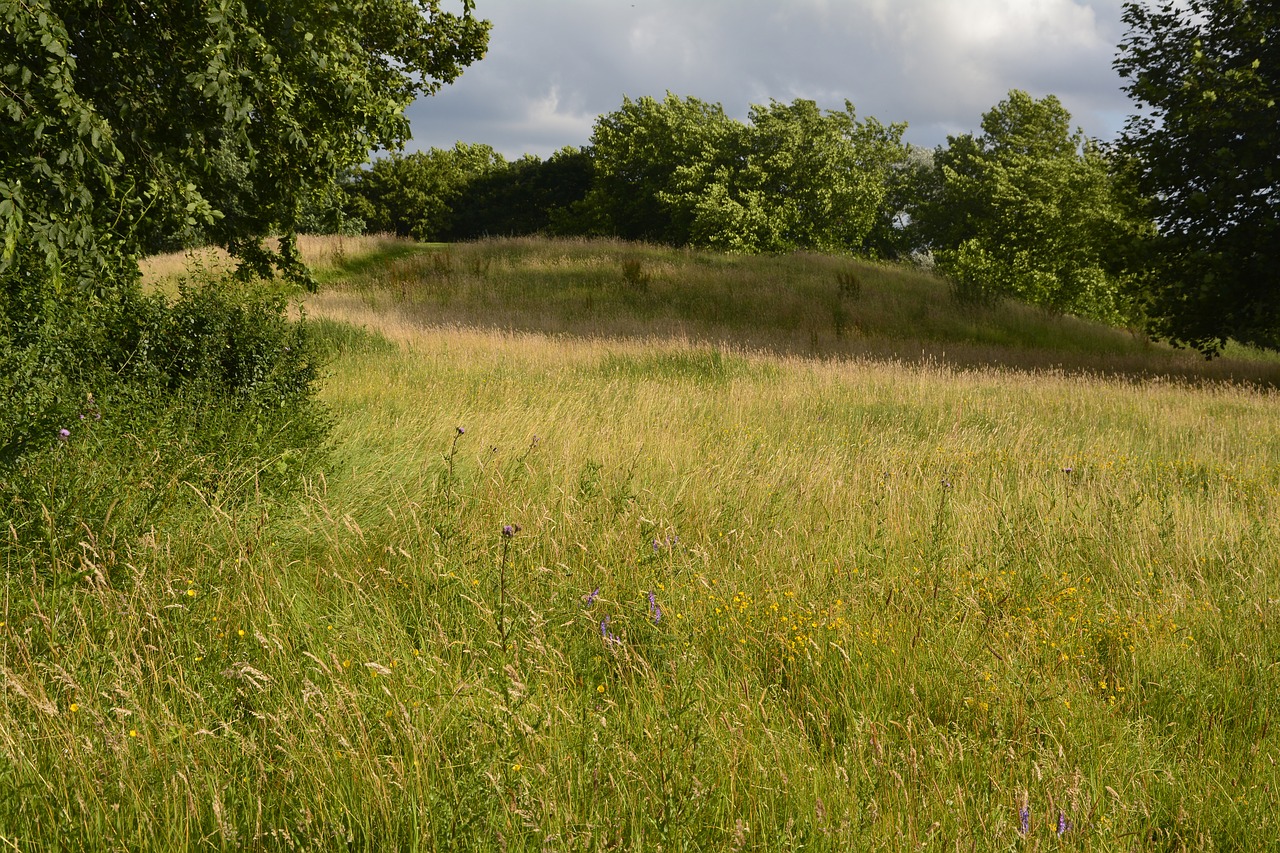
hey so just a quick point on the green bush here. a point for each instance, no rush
(119, 413)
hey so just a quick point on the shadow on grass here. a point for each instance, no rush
(342, 267)
(793, 306)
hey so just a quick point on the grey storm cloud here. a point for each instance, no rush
(553, 66)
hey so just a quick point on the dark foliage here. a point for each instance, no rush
(1206, 150)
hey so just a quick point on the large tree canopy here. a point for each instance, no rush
(648, 154)
(802, 179)
(127, 120)
(414, 195)
(1030, 209)
(1206, 148)
(681, 171)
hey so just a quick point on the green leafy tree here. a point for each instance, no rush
(1030, 209)
(801, 179)
(1206, 149)
(128, 122)
(681, 172)
(649, 157)
(527, 196)
(414, 195)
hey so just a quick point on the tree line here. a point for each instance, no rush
(1027, 208)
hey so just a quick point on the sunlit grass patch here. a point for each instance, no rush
(327, 255)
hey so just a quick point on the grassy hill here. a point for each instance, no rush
(628, 548)
(795, 305)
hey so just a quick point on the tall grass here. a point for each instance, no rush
(328, 255)
(757, 600)
(810, 305)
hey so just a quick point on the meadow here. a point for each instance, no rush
(621, 547)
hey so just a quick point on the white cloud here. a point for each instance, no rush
(553, 66)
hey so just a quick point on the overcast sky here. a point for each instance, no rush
(553, 66)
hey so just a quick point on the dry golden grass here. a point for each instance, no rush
(905, 605)
(322, 253)
(794, 305)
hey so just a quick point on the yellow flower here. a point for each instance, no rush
(133, 732)
(240, 632)
(600, 689)
(516, 768)
(191, 592)
(74, 707)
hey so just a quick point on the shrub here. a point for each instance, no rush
(119, 412)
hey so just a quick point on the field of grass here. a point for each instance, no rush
(626, 548)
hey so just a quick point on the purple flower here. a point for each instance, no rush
(591, 597)
(1063, 826)
(1024, 820)
(609, 636)
(64, 434)
(656, 546)
(654, 610)
(509, 530)
(462, 430)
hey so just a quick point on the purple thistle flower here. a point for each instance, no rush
(654, 610)
(1024, 820)
(462, 430)
(591, 597)
(509, 530)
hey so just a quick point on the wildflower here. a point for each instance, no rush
(657, 546)
(654, 610)
(133, 732)
(517, 767)
(509, 530)
(64, 434)
(74, 707)
(591, 597)
(1024, 820)
(1063, 825)
(600, 689)
(608, 635)
(462, 431)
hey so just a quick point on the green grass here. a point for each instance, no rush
(809, 305)
(903, 598)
